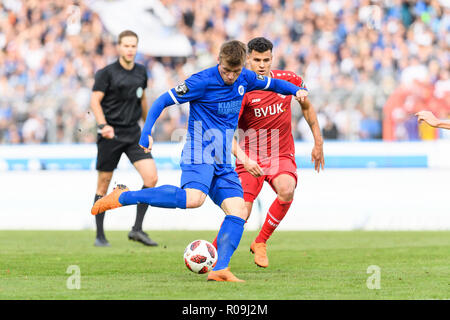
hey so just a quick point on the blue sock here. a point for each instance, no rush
(165, 196)
(228, 239)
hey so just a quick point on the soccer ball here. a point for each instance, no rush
(200, 256)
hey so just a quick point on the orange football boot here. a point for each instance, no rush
(223, 275)
(260, 251)
(110, 201)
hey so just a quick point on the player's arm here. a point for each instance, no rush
(250, 165)
(259, 82)
(163, 101)
(311, 118)
(102, 80)
(104, 129)
(431, 119)
(287, 88)
(144, 101)
(144, 105)
(190, 90)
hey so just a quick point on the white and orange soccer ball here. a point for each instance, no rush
(200, 256)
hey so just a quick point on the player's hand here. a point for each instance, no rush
(428, 117)
(253, 168)
(301, 95)
(107, 132)
(317, 157)
(146, 142)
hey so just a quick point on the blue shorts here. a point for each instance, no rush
(219, 183)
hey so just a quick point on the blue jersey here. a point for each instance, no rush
(214, 112)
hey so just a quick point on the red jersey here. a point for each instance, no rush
(266, 121)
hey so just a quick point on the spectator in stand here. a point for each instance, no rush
(329, 131)
(354, 53)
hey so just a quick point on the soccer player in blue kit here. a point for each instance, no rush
(215, 97)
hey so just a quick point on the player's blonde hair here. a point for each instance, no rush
(233, 52)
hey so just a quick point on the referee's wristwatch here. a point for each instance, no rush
(100, 127)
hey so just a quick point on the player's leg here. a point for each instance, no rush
(165, 196)
(248, 207)
(228, 239)
(195, 181)
(251, 187)
(196, 177)
(145, 166)
(103, 181)
(284, 184)
(226, 191)
(109, 152)
(194, 198)
(147, 170)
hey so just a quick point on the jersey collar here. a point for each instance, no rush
(121, 67)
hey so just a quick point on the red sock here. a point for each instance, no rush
(276, 213)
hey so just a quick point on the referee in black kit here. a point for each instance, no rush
(118, 102)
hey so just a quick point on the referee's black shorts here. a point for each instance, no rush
(126, 141)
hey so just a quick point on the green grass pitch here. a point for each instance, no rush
(303, 265)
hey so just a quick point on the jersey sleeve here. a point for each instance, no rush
(256, 81)
(154, 112)
(191, 89)
(102, 80)
(259, 82)
(146, 79)
(295, 79)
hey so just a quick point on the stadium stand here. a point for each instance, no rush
(364, 62)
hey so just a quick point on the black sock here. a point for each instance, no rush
(99, 220)
(141, 209)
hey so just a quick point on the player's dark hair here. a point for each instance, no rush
(127, 33)
(233, 53)
(259, 44)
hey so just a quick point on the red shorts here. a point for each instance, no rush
(272, 168)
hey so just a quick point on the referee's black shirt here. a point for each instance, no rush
(123, 91)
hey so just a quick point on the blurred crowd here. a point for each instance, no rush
(353, 55)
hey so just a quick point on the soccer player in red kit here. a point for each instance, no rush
(266, 149)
